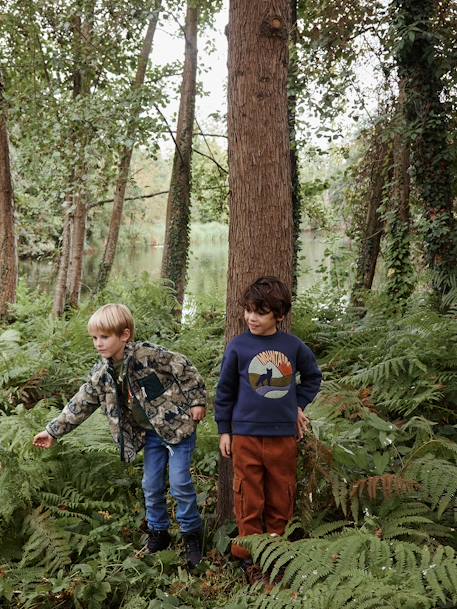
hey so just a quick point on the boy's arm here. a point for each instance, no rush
(310, 376)
(227, 392)
(79, 408)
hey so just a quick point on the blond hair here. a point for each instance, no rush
(112, 319)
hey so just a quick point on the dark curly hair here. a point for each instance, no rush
(267, 294)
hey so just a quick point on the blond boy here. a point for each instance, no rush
(153, 399)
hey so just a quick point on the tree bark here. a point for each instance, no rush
(399, 268)
(62, 273)
(176, 244)
(420, 68)
(294, 160)
(78, 237)
(261, 220)
(373, 228)
(125, 159)
(8, 250)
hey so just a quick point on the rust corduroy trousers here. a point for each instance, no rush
(264, 485)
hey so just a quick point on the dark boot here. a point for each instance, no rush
(158, 540)
(193, 545)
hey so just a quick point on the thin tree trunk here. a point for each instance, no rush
(399, 268)
(373, 228)
(78, 237)
(261, 220)
(8, 251)
(176, 244)
(82, 34)
(125, 159)
(294, 161)
(62, 273)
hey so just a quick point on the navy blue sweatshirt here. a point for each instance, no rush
(258, 393)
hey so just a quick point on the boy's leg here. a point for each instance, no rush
(154, 482)
(280, 482)
(183, 490)
(248, 473)
(182, 487)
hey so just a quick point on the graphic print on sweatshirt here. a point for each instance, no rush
(270, 374)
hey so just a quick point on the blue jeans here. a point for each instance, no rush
(157, 455)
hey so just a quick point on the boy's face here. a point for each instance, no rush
(110, 345)
(261, 323)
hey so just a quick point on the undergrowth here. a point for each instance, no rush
(376, 512)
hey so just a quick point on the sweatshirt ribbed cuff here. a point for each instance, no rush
(224, 427)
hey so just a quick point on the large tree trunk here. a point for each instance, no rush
(261, 223)
(421, 71)
(176, 244)
(125, 159)
(8, 251)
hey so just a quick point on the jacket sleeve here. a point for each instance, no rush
(310, 376)
(187, 376)
(227, 391)
(79, 408)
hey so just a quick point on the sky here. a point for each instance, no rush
(169, 47)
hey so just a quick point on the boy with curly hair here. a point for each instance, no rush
(260, 411)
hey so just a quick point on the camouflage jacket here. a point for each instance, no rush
(163, 383)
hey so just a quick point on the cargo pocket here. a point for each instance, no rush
(292, 492)
(238, 497)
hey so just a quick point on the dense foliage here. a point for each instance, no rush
(375, 521)
(378, 476)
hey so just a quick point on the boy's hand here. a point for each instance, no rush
(44, 440)
(302, 424)
(225, 445)
(198, 413)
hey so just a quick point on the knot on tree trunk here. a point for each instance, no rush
(274, 27)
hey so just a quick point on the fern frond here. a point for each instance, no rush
(329, 527)
(438, 479)
(345, 562)
(49, 543)
(387, 483)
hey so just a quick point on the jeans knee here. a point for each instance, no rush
(181, 488)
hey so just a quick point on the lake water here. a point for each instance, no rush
(207, 265)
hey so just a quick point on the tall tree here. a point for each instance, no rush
(126, 156)
(8, 252)
(82, 78)
(421, 70)
(261, 224)
(176, 243)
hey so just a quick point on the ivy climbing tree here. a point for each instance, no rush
(421, 69)
(176, 243)
(8, 252)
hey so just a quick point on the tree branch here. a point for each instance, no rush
(211, 159)
(153, 194)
